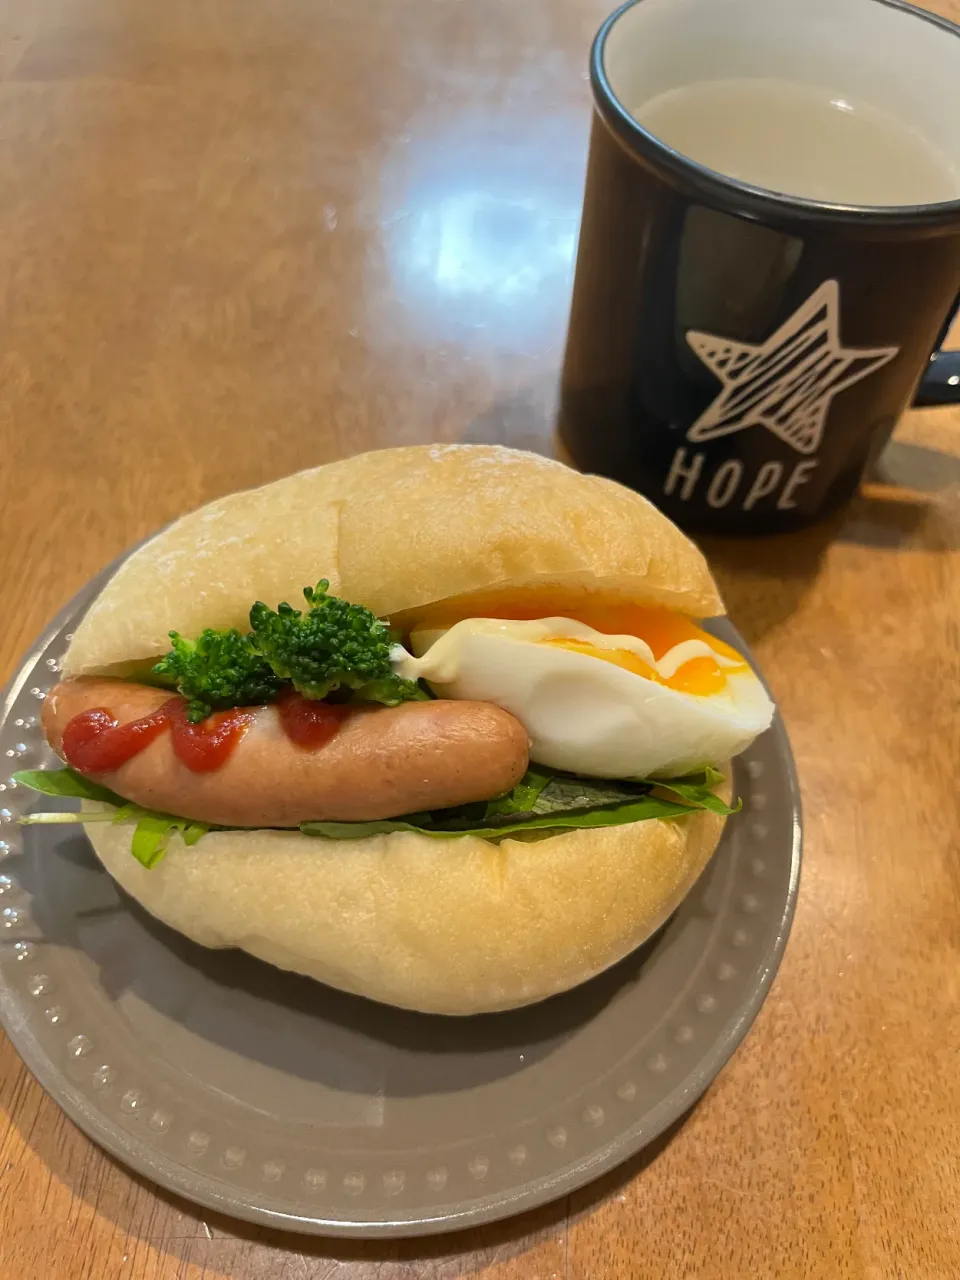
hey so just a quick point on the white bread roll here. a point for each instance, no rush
(447, 926)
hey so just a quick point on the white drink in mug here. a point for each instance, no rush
(801, 139)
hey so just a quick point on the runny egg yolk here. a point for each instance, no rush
(661, 630)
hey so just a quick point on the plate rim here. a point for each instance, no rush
(208, 1191)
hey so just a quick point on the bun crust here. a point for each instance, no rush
(443, 926)
(398, 530)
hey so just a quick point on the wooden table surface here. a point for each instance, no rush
(240, 237)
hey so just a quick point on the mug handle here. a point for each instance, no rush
(940, 383)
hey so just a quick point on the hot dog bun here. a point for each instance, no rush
(457, 927)
(397, 530)
(454, 927)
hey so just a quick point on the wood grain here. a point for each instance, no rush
(240, 238)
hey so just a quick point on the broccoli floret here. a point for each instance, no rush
(333, 645)
(217, 670)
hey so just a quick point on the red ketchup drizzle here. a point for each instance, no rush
(206, 746)
(310, 724)
(95, 742)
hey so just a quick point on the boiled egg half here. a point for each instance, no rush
(661, 703)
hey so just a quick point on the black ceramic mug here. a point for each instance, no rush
(737, 354)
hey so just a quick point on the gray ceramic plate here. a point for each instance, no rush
(272, 1098)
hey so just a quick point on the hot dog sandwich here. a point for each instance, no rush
(436, 725)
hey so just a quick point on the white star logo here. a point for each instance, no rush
(787, 383)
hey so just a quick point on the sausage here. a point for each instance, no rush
(383, 762)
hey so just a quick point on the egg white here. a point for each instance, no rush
(584, 714)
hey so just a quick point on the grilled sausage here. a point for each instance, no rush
(382, 762)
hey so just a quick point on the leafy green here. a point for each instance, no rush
(219, 669)
(152, 831)
(649, 806)
(64, 782)
(544, 800)
(544, 791)
(332, 647)
(565, 792)
(150, 837)
(524, 795)
(698, 792)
